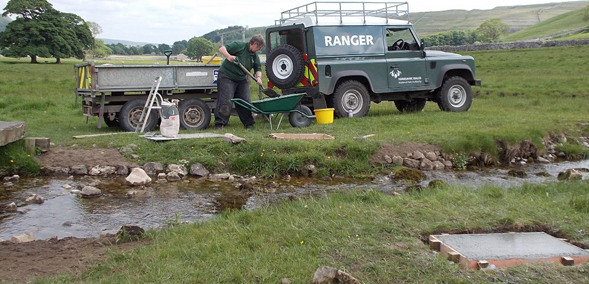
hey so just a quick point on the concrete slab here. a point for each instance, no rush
(506, 249)
(11, 131)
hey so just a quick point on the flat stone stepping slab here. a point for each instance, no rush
(506, 249)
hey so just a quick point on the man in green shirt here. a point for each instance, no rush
(232, 82)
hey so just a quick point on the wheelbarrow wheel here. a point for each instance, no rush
(297, 119)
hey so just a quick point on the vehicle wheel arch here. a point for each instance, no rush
(342, 76)
(454, 70)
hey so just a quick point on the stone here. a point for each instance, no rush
(285, 281)
(224, 176)
(14, 178)
(125, 150)
(122, 170)
(56, 171)
(32, 144)
(417, 155)
(439, 165)
(24, 238)
(448, 164)
(79, 170)
(7, 184)
(232, 138)
(161, 176)
(329, 275)
(11, 131)
(398, 160)
(180, 169)
(173, 176)
(311, 169)
(11, 208)
(90, 191)
(543, 160)
(138, 176)
(388, 159)
(152, 168)
(198, 170)
(66, 186)
(102, 171)
(411, 163)
(426, 165)
(517, 173)
(35, 199)
(432, 156)
(570, 174)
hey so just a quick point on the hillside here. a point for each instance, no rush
(517, 17)
(561, 26)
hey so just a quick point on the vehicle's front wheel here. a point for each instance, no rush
(351, 96)
(194, 114)
(130, 116)
(296, 119)
(414, 105)
(454, 95)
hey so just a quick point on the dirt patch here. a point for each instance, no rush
(391, 150)
(64, 157)
(24, 262)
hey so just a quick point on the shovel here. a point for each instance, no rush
(269, 92)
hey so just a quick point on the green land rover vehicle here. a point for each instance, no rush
(346, 54)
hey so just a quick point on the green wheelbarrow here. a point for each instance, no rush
(299, 115)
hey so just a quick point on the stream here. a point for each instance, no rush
(64, 214)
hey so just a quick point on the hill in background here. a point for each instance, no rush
(517, 17)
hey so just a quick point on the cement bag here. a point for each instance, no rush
(170, 124)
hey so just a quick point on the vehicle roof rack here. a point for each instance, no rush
(342, 13)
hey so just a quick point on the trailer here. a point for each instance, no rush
(117, 93)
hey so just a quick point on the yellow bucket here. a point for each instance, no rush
(324, 115)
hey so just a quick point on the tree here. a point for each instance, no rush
(198, 47)
(95, 28)
(40, 30)
(490, 30)
(585, 13)
(179, 46)
(163, 47)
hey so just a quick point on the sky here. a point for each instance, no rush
(161, 21)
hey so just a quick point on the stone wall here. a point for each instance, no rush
(509, 45)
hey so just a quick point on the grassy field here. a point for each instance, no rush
(376, 238)
(526, 94)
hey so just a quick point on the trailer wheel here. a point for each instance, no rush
(298, 120)
(285, 66)
(130, 116)
(194, 114)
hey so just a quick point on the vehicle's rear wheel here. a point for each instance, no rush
(298, 120)
(130, 116)
(414, 105)
(285, 66)
(454, 95)
(111, 119)
(194, 114)
(351, 96)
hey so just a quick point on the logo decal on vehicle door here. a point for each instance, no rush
(396, 73)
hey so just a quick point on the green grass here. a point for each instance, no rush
(377, 238)
(526, 95)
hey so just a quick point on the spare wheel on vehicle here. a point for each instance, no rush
(285, 66)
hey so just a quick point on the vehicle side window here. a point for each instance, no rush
(400, 39)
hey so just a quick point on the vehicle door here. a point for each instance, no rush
(406, 65)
